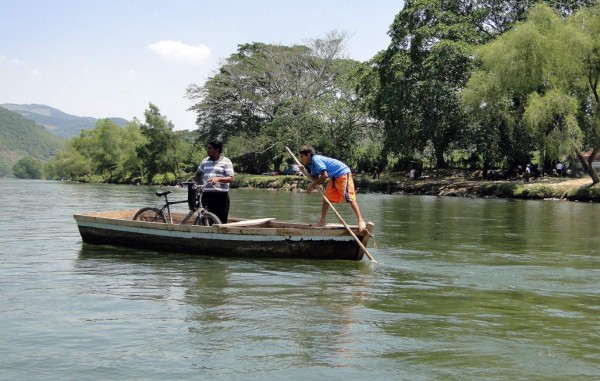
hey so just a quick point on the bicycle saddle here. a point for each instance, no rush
(162, 193)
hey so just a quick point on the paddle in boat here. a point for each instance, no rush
(254, 238)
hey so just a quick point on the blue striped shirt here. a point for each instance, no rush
(220, 168)
(334, 167)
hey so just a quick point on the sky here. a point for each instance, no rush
(112, 58)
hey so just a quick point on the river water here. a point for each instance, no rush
(464, 289)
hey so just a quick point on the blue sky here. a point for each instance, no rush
(104, 58)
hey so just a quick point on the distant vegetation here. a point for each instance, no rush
(36, 132)
(139, 153)
(21, 137)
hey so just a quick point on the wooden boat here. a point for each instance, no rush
(254, 238)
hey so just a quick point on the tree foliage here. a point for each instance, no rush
(422, 74)
(536, 80)
(107, 151)
(151, 152)
(587, 21)
(159, 153)
(267, 96)
(28, 168)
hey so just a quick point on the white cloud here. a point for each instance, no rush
(178, 52)
(13, 61)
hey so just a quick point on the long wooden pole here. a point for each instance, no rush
(360, 244)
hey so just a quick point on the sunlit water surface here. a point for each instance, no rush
(464, 289)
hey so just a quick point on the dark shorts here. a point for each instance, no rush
(217, 203)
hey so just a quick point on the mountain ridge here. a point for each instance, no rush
(56, 121)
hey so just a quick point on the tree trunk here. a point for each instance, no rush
(440, 160)
(277, 164)
(587, 165)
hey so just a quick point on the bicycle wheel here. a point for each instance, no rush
(207, 219)
(149, 214)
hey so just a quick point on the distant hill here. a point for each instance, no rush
(57, 122)
(21, 137)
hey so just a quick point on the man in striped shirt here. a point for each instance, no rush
(321, 168)
(215, 172)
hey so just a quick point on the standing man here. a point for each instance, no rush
(321, 168)
(215, 172)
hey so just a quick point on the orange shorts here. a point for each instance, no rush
(341, 187)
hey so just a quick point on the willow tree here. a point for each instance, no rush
(534, 79)
(587, 22)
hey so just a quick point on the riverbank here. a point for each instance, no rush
(457, 185)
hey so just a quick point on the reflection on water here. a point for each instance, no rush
(464, 289)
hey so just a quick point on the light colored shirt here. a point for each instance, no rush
(334, 167)
(222, 167)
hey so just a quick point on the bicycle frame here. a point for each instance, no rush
(194, 201)
(168, 204)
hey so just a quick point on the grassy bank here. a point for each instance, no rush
(447, 185)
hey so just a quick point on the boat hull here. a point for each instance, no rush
(244, 238)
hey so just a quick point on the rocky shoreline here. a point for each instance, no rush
(579, 189)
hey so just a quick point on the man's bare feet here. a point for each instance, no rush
(319, 224)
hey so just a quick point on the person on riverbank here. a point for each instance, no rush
(528, 172)
(215, 172)
(340, 184)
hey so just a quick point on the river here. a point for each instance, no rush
(464, 289)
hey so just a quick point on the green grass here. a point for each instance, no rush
(585, 193)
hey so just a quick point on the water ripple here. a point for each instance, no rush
(463, 289)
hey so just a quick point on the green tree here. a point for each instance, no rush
(420, 78)
(28, 168)
(106, 148)
(192, 151)
(107, 151)
(114, 150)
(69, 163)
(159, 153)
(536, 80)
(130, 165)
(587, 21)
(266, 96)
(421, 73)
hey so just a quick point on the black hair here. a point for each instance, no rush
(216, 144)
(307, 149)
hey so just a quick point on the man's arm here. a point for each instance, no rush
(317, 181)
(225, 179)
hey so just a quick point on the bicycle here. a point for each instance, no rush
(198, 213)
